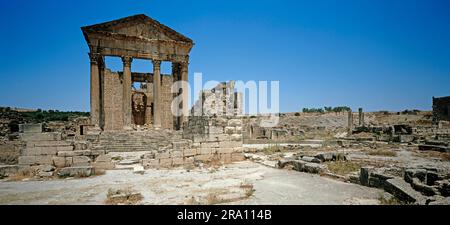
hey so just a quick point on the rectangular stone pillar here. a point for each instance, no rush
(185, 92)
(361, 117)
(350, 121)
(95, 89)
(126, 100)
(156, 93)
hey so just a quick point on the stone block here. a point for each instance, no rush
(403, 191)
(216, 130)
(150, 163)
(412, 173)
(38, 151)
(165, 162)
(365, 175)
(177, 161)
(44, 159)
(203, 158)
(35, 160)
(81, 171)
(299, 165)
(65, 148)
(189, 152)
(66, 153)
(50, 136)
(103, 158)
(81, 161)
(311, 159)
(176, 154)
(162, 155)
(59, 162)
(314, 168)
(46, 168)
(324, 157)
(238, 150)
(82, 153)
(238, 130)
(30, 128)
(69, 161)
(31, 144)
(203, 151)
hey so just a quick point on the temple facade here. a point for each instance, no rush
(115, 102)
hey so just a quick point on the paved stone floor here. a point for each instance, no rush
(180, 186)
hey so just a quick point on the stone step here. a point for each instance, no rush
(50, 136)
(47, 143)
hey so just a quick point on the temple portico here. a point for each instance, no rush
(136, 37)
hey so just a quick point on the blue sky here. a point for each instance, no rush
(380, 55)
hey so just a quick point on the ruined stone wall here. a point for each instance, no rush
(205, 140)
(441, 109)
(112, 95)
(166, 102)
(52, 151)
(10, 151)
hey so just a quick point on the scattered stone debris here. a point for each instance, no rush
(123, 197)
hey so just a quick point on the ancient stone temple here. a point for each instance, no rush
(115, 104)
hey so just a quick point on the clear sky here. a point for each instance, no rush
(376, 54)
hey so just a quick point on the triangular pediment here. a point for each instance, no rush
(139, 26)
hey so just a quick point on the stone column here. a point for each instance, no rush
(148, 110)
(176, 77)
(95, 89)
(126, 100)
(361, 117)
(185, 93)
(101, 68)
(156, 93)
(350, 121)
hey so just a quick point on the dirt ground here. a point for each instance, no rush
(239, 183)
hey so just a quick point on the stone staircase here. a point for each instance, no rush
(134, 141)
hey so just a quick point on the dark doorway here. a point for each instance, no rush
(139, 104)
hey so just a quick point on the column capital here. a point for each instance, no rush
(156, 63)
(94, 57)
(127, 61)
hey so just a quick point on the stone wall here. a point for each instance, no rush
(67, 157)
(205, 140)
(112, 95)
(441, 108)
(10, 152)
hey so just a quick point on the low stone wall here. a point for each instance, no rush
(10, 152)
(49, 149)
(206, 139)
